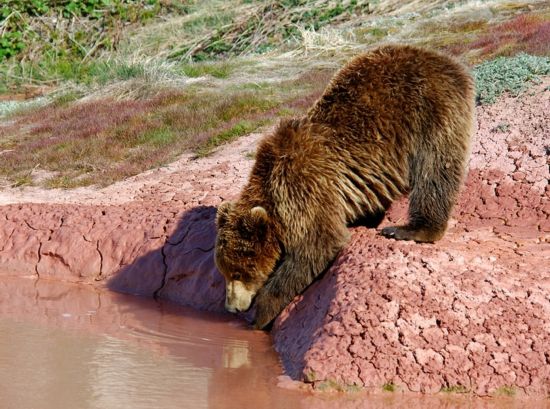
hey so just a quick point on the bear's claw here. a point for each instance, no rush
(395, 232)
(423, 235)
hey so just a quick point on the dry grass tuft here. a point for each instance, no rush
(253, 27)
(330, 41)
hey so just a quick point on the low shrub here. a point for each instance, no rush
(508, 74)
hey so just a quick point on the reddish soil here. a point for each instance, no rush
(471, 311)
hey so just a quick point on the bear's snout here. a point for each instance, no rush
(238, 298)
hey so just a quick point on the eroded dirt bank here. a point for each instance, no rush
(471, 312)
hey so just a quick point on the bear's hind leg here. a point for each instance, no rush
(435, 181)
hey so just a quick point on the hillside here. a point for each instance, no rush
(163, 78)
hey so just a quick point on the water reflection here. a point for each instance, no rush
(83, 348)
(70, 346)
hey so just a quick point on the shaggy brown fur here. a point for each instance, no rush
(393, 121)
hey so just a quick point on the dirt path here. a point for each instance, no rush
(471, 312)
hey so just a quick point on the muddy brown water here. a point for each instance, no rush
(74, 346)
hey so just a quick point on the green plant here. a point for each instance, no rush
(157, 137)
(239, 129)
(508, 74)
(502, 127)
(279, 24)
(506, 391)
(11, 43)
(67, 28)
(389, 387)
(66, 182)
(215, 69)
(454, 389)
(378, 32)
(23, 180)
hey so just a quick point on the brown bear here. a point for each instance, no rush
(396, 120)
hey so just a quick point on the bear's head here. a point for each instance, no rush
(247, 251)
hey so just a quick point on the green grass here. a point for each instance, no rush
(105, 140)
(157, 137)
(243, 32)
(389, 387)
(508, 74)
(66, 98)
(506, 391)
(52, 69)
(239, 129)
(66, 182)
(22, 180)
(76, 27)
(199, 24)
(377, 32)
(454, 389)
(220, 70)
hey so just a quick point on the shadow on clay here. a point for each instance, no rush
(183, 271)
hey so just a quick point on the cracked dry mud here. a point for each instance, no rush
(471, 312)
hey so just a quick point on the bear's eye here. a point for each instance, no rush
(236, 276)
(248, 253)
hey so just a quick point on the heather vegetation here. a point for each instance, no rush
(528, 33)
(101, 142)
(93, 91)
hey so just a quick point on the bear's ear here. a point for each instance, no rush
(289, 125)
(223, 213)
(258, 222)
(259, 215)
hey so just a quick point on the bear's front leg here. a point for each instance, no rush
(298, 270)
(289, 280)
(292, 277)
(268, 307)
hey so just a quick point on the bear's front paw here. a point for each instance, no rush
(267, 309)
(427, 235)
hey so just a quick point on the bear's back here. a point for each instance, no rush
(392, 94)
(385, 114)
